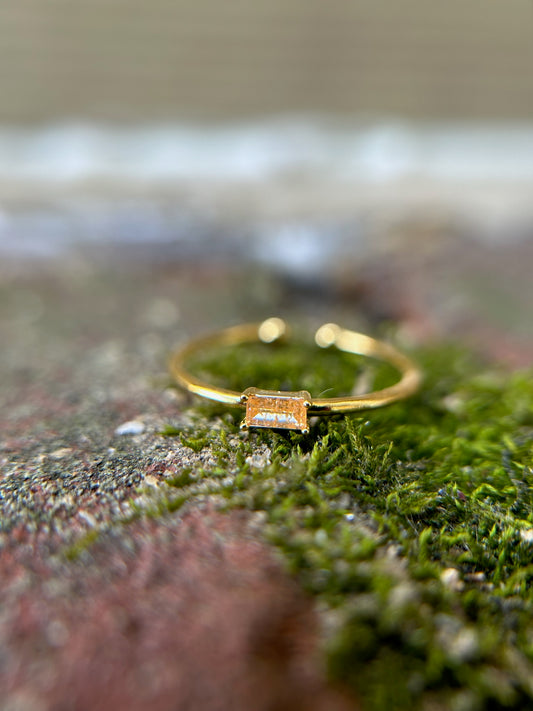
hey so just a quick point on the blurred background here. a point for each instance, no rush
(233, 160)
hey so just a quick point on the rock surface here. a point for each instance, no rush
(181, 613)
(189, 610)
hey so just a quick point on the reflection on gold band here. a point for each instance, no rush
(327, 336)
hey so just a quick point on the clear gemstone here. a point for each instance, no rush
(277, 409)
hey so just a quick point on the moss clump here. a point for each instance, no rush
(74, 551)
(412, 525)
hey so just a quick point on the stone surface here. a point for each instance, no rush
(175, 614)
(84, 350)
(187, 613)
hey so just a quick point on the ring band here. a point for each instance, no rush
(289, 410)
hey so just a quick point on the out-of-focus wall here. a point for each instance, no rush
(160, 59)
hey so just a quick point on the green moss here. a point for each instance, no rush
(371, 512)
(171, 431)
(81, 545)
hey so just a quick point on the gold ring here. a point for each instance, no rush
(289, 410)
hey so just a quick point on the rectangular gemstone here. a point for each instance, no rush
(279, 410)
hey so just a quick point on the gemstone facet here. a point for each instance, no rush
(276, 409)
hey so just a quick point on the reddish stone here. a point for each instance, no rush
(190, 614)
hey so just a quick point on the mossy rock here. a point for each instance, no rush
(411, 525)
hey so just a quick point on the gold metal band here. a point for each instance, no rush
(282, 409)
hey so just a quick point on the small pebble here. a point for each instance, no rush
(464, 647)
(133, 427)
(526, 534)
(321, 537)
(60, 453)
(453, 403)
(57, 633)
(87, 517)
(402, 595)
(451, 578)
(258, 461)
